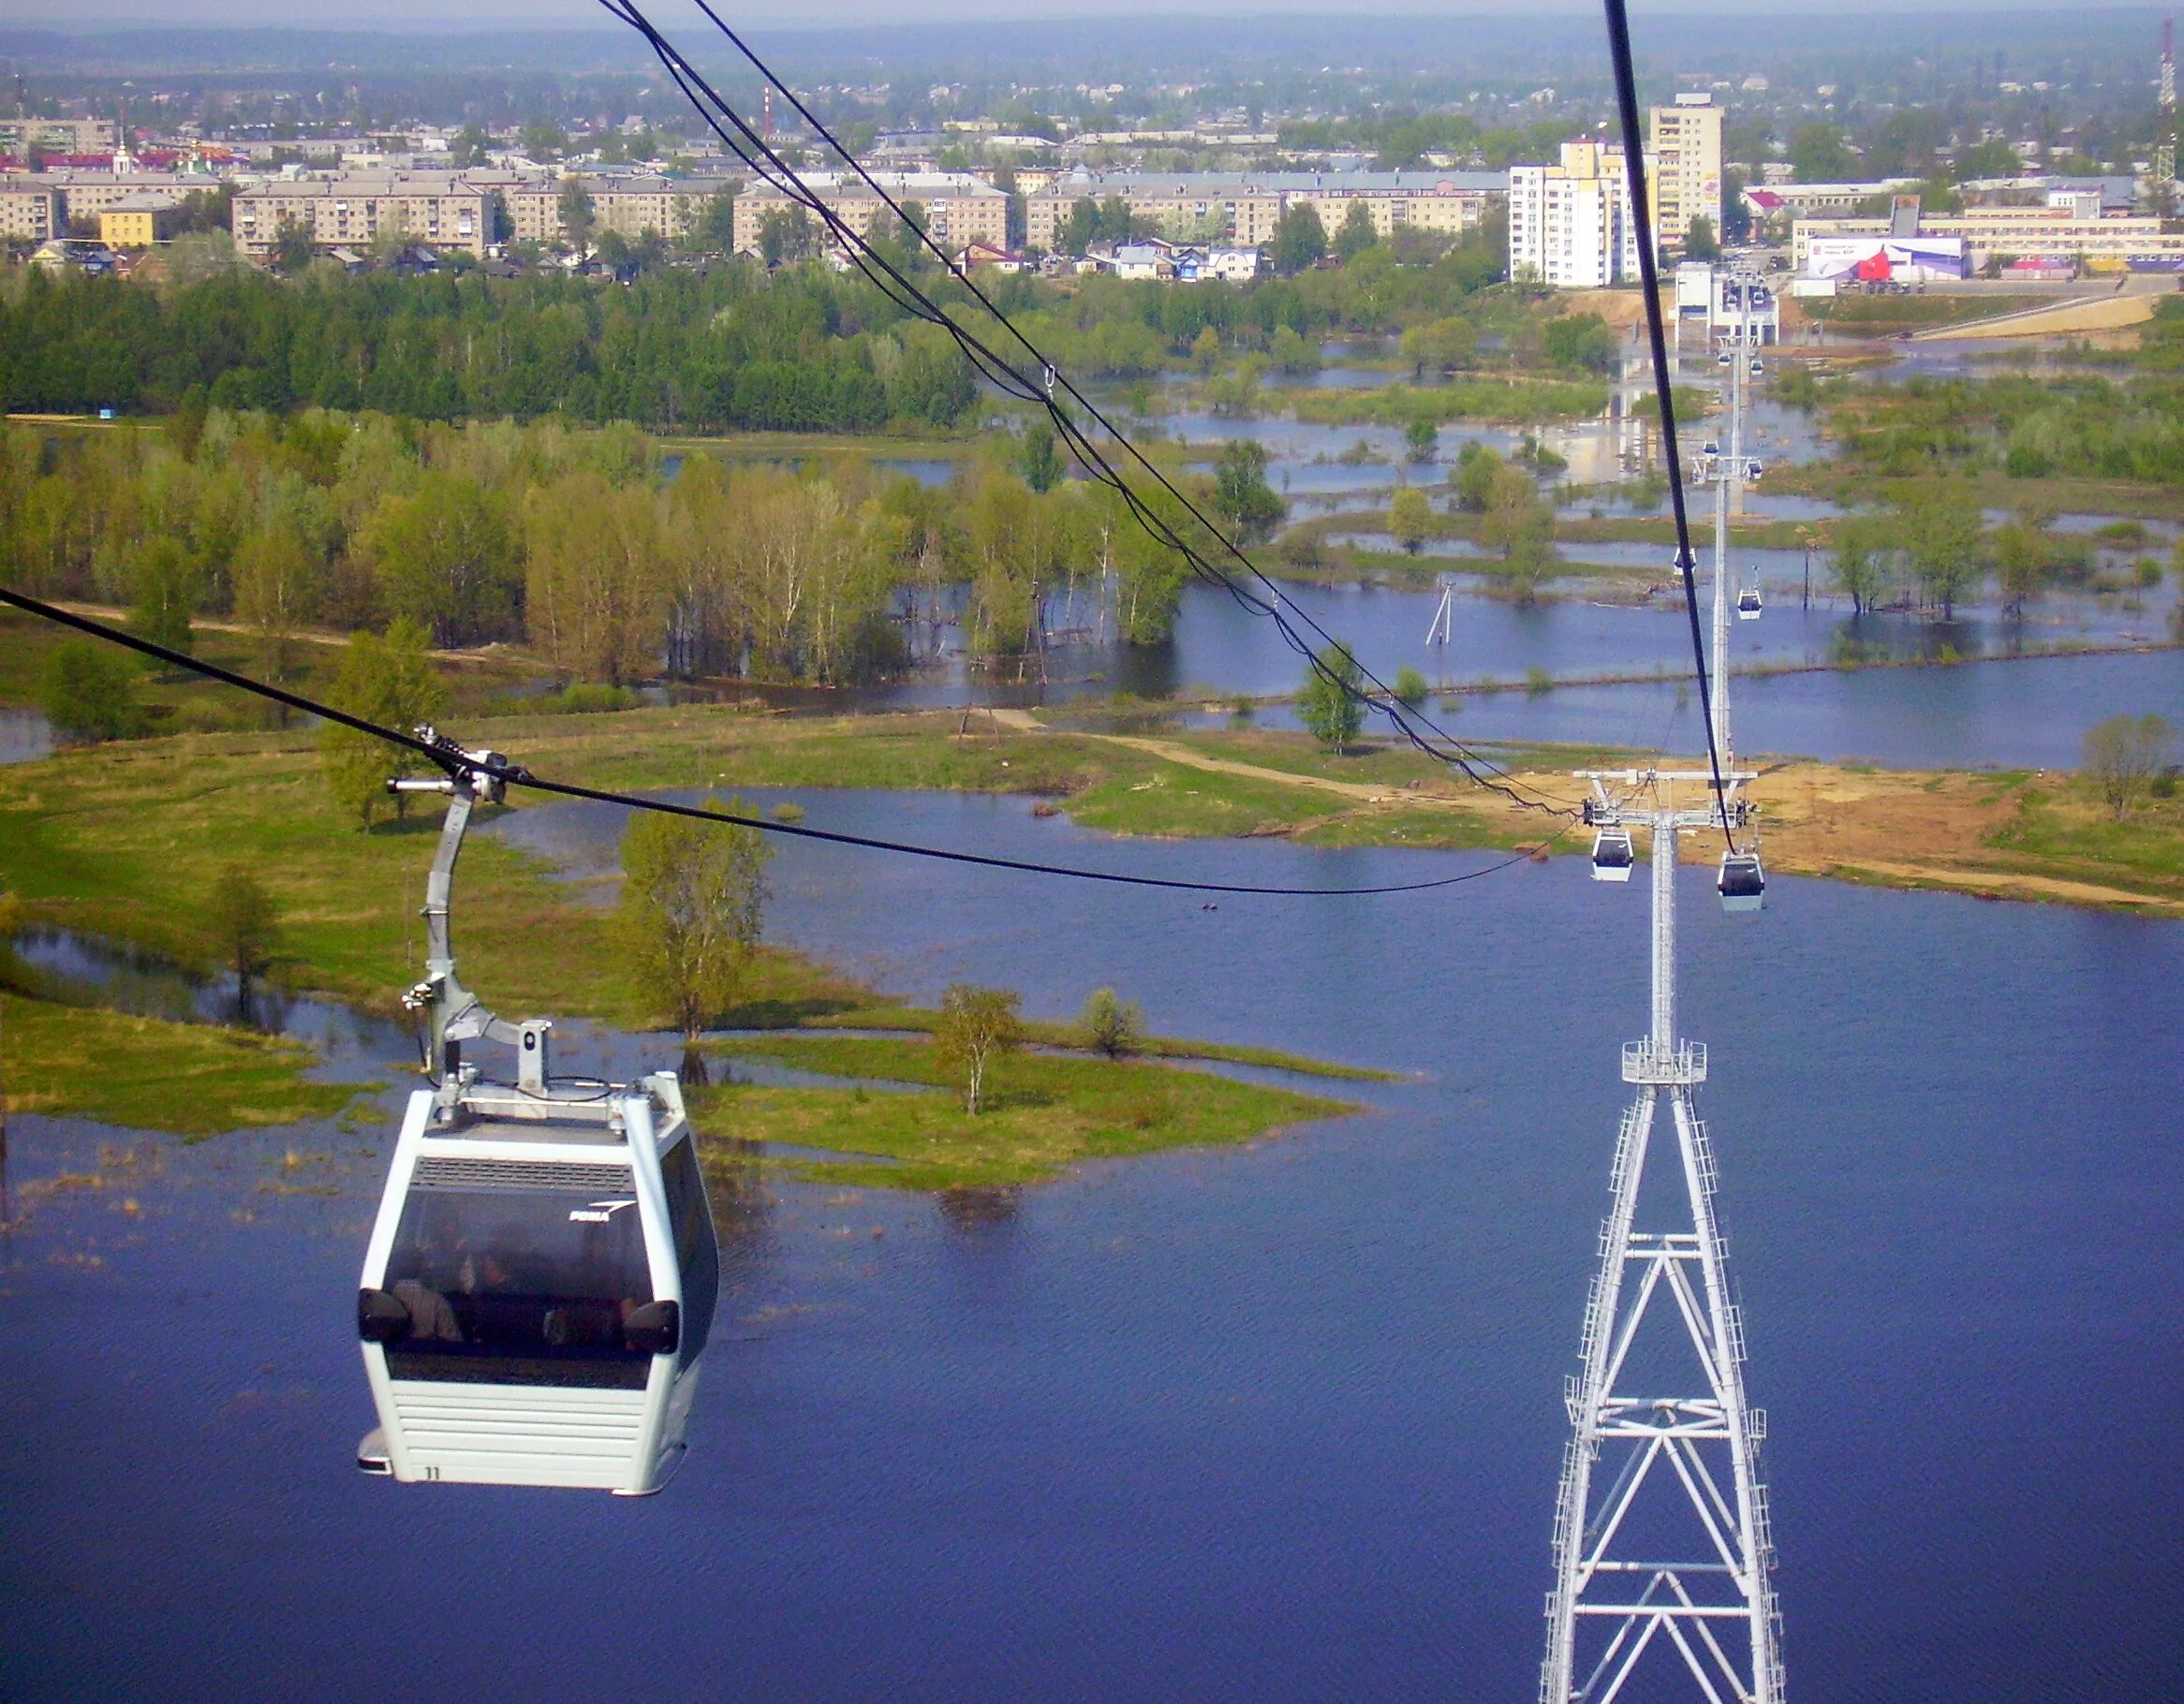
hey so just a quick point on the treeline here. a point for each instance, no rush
(731, 347)
(574, 543)
(2028, 428)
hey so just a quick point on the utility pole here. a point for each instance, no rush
(1662, 1528)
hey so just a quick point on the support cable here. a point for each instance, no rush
(1649, 280)
(1040, 387)
(514, 774)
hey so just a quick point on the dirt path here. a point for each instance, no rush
(1899, 828)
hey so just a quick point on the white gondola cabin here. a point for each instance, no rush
(1612, 854)
(542, 1275)
(1747, 601)
(1742, 884)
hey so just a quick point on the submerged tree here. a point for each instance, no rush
(692, 908)
(1410, 517)
(977, 1026)
(243, 925)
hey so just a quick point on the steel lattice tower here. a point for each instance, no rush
(1661, 1528)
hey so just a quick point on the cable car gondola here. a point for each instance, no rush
(1612, 854)
(1742, 884)
(1747, 601)
(541, 1274)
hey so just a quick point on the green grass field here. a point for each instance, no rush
(1044, 1114)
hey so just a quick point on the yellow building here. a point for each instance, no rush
(139, 221)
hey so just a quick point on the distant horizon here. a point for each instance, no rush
(424, 17)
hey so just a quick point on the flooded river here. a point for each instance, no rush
(1281, 1422)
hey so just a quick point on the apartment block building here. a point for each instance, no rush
(959, 208)
(86, 193)
(1243, 208)
(442, 209)
(1686, 176)
(21, 136)
(630, 203)
(30, 210)
(1570, 225)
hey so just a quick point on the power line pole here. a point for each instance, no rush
(1661, 1528)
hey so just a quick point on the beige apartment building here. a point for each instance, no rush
(630, 204)
(22, 136)
(30, 212)
(440, 209)
(959, 209)
(86, 193)
(1243, 208)
(1687, 170)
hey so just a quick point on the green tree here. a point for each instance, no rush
(1332, 704)
(1520, 524)
(1111, 1025)
(1945, 533)
(1440, 345)
(1864, 560)
(1410, 688)
(163, 584)
(1420, 436)
(1356, 233)
(1996, 159)
(1038, 459)
(1580, 341)
(242, 924)
(1205, 350)
(389, 680)
(1820, 155)
(692, 910)
(88, 692)
(1736, 211)
(579, 217)
(1472, 477)
(785, 236)
(1241, 491)
(1700, 243)
(1299, 240)
(2123, 756)
(2020, 562)
(294, 247)
(448, 557)
(978, 1027)
(1410, 517)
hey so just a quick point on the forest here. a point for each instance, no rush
(608, 560)
(721, 345)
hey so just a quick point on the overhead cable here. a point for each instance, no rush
(1649, 280)
(1040, 387)
(514, 774)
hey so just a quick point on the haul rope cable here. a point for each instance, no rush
(777, 173)
(516, 775)
(1641, 221)
(780, 175)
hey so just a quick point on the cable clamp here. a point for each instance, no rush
(1049, 373)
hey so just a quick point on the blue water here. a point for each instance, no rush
(1279, 1422)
